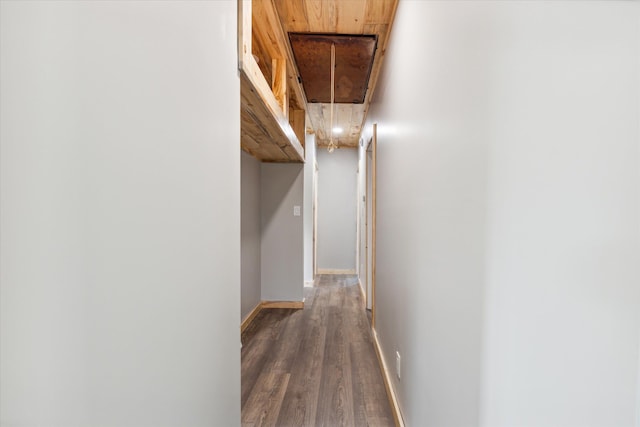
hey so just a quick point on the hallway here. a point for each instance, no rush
(315, 366)
(164, 177)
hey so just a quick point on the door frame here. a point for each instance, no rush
(315, 219)
(370, 167)
(374, 153)
(368, 189)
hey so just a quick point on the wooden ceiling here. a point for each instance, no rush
(275, 111)
(356, 17)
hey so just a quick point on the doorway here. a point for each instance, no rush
(369, 220)
(315, 219)
(369, 223)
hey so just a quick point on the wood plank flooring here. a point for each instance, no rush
(314, 367)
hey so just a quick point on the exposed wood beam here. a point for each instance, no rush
(244, 32)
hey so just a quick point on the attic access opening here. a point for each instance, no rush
(354, 60)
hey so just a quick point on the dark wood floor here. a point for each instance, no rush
(314, 367)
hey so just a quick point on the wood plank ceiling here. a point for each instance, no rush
(347, 17)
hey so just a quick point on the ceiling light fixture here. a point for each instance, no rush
(337, 130)
(332, 145)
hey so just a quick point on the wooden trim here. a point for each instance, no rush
(244, 32)
(249, 318)
(374, 163)
(367, 221)
(268, 304)
(391, 393)
(283, 304)
(336, 271)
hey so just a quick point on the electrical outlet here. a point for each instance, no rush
(296, 210)
(398, 365)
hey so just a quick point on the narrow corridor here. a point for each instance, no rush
(316, 366)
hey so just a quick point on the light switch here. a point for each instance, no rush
(296, 211)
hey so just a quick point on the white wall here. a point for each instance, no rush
(309, 194)
(337, 209)
(563, 249)
(250, 234)
(282, 247)
(508, 212)
(638, 381)
(120, 214)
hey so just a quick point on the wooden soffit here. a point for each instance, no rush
(272, 104)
